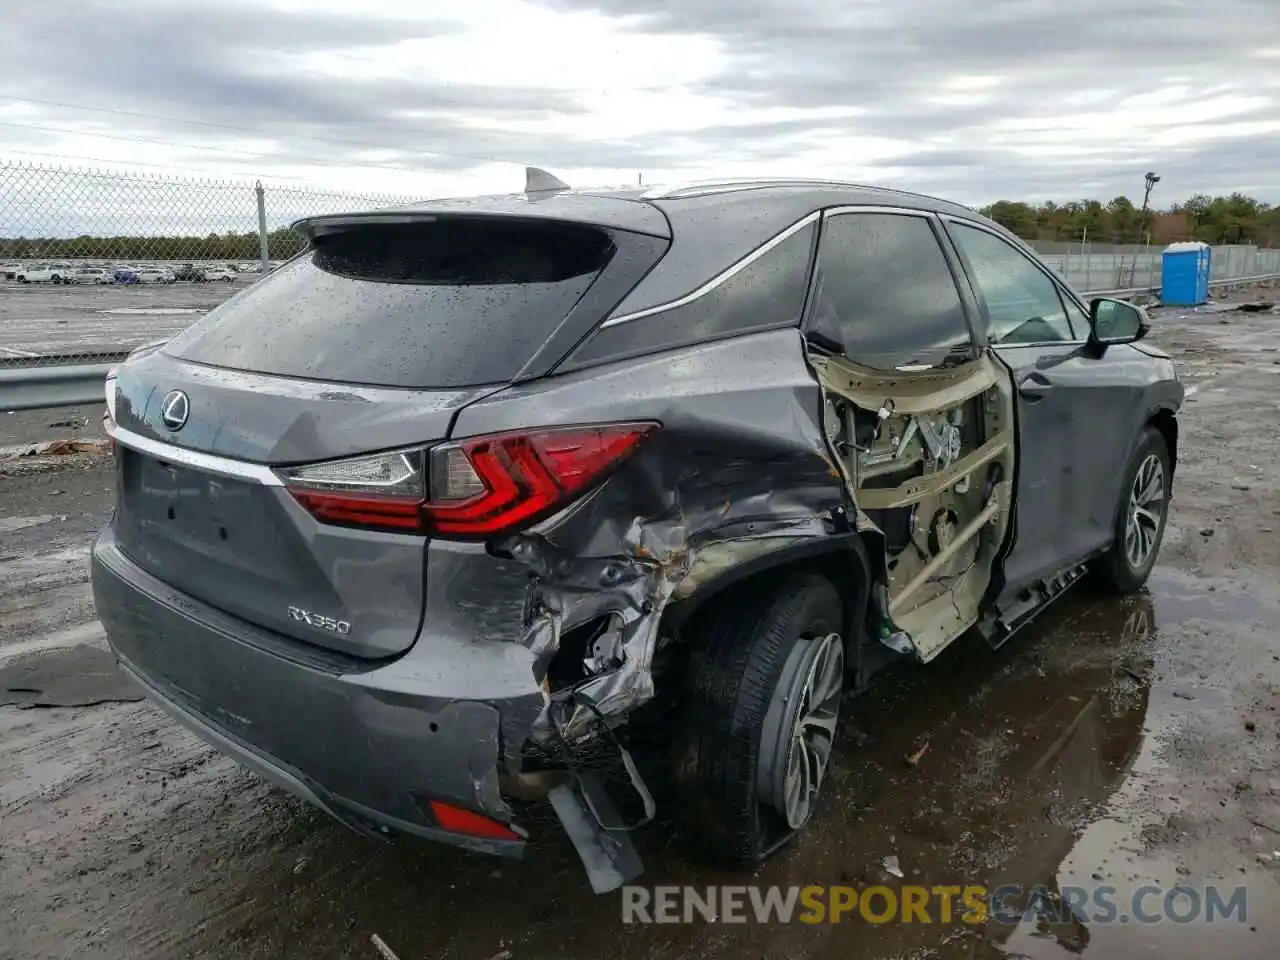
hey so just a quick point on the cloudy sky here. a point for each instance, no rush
(972, 99)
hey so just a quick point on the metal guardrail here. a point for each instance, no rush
(35, 388)
(1153, 291)
(50, 381)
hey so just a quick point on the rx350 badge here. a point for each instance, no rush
(320, 622)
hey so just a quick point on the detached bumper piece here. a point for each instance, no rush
(591, 818)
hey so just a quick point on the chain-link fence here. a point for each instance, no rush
(67, 214)
(93, 263)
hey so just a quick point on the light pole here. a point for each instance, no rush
(1151, 180)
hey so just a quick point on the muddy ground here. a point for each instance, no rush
(1118, 742)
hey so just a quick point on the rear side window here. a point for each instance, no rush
(449, 302)
(886, 293)
(768, 292)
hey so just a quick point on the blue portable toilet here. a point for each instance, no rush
(1184, 273)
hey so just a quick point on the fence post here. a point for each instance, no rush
(1088, 260)
(264, 252)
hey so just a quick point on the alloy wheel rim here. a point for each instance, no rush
(813, 729)
(1145, 516)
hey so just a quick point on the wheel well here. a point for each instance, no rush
(1167, 424)
(846, 566)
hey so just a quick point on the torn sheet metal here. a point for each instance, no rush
(590, 564)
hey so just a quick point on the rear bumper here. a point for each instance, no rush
(371, 745)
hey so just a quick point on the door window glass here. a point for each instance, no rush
(1022, 301)
(886, 294)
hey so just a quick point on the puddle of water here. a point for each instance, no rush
(1163, 839)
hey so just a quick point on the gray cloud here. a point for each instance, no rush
(212, 65)
(888, 62)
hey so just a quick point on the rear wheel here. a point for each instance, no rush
(1140, 519)
(761, 705)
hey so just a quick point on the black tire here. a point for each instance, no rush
(1115, 570)
(740, 649)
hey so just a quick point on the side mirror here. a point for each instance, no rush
(1115, 321)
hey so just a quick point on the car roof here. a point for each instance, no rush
(716, 224)
(711, 224)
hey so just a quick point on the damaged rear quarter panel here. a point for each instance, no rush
(740, 457)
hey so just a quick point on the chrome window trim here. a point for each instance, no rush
(204, 462)
(848, 208)
(720, 278)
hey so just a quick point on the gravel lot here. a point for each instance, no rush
(1128, 743)
(40, 319)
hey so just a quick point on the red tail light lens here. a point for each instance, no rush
(457, 820)
(474, 489)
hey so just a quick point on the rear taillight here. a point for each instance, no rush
(470, 490)
(457, 820)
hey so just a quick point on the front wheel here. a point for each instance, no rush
(758, 723)
(1141, 518)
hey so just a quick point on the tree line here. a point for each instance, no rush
(1233, 219)
(232, 247)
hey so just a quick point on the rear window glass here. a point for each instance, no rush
(443, 303)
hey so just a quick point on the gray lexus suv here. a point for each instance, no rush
(604, 499)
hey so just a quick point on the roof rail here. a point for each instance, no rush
(725, 184)
(696, 188)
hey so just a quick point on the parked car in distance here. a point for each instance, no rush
(225, 274)
(9, 271)
(647, 479)
(94, 275)
(189, 272)
(154, 274)
(46, 273)
(125, 273)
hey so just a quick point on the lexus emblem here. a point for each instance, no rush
(175, 410)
